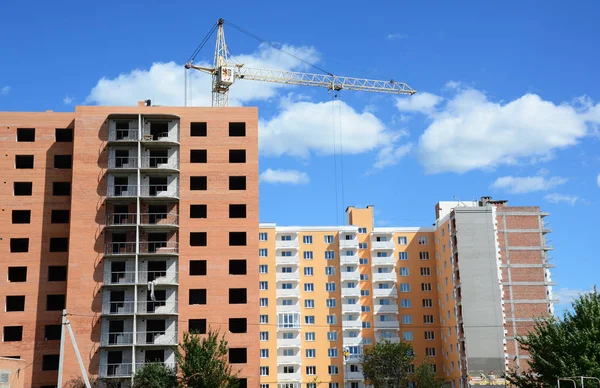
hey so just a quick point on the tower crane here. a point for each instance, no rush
(225, 73)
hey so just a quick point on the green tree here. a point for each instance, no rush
(567, 347)
(203, 362)
(155, 375)
(426, 377)
(386, 364)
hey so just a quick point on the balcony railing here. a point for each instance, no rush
(286, 243)
(123, 135)
(121, 191)
(164, 191)
(387, 324)
(387, 260)
(119, 248)
(140, 365)
(159, 247)
(286, 259)
(385, 308)
(115, 370)
(349, 243)
(121, 219)
(289, 342)
(157, 307)
(352, 259)
(297, 376)
(387, 245)
(117, 308)
(350, 291)
(159, 162)
(156, 338)
(385, 292)
(384, 276)
(351, 308)
(116, 339)
(393, 340)
(122, 162)
(159, 219)
(285, 292)
(352, 325)
(294, 308)
(358, 376)
(119, 277)
(160, 277)
(287, 360)
(349, 275)
(288, 276)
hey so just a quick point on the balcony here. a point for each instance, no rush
(123, 135)
(157, 307)
(159, 277)
(160, 162)
(380, 325)
(296, 359)
(352, 341)
(352, 325)
(282, 260)
(352, 275)
(289, 343)
(350, 292)
(140, 365)
(384, 276)
(281, 377)
(121, 191)
(394, 340)
(385, 261)
(382, 245)
(119, 249)
(116, 339)
(283, 293)
(156, 338)
(115, 370)
(349, 243)
(117, 308)
(385, 292)
(119, 277)
(352, 259)
(159, 220)
(159, 248)
(159, 191)
(354, 376)
(351, 308)
(121, 219)
(288, 276)
(286, 244)
(122, 162)
(295, 308)
(385, 308)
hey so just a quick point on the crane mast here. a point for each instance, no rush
(224, 75)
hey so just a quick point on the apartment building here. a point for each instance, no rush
(458, 291)
(141, 222)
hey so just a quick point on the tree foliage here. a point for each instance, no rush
(203, 362)
(567, 347)
(426, 377)
(386, 364)
(155, 375)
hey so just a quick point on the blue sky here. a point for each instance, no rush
(507, 102)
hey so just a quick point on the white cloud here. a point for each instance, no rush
(302, 128)
(421, 102)
(396, 36)
(390, 155)
(453, 85)
(471, 132)
(558, 198)
(67, 100)
(566, 295)
(5, 90)
(163, 83)
(527, 184)
(292, 177)
(598, 180)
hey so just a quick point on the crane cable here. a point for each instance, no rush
(337, 214)
(339, 99)
(240, 29)
(202, 43)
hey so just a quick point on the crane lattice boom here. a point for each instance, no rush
(225, 74)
